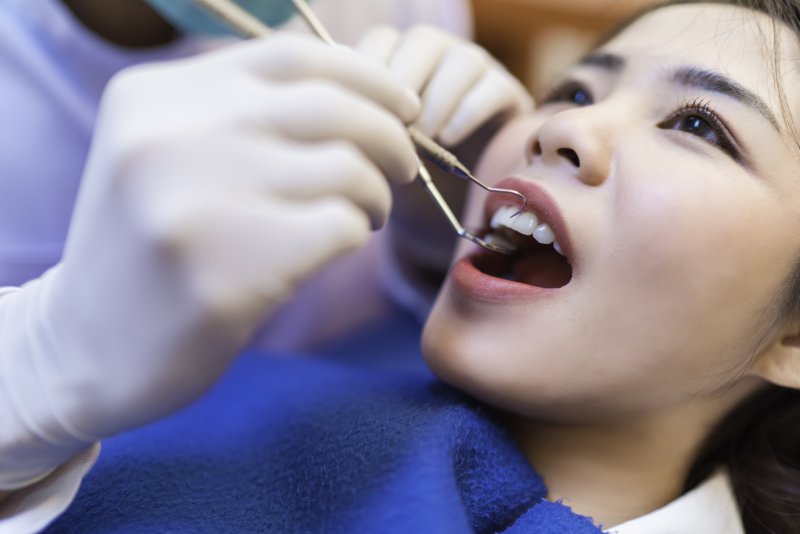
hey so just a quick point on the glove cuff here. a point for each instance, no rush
(33, 438)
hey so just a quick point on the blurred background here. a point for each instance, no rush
(537, 39)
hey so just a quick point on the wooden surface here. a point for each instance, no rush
(536, 39)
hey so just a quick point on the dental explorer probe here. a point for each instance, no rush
(249, 26)
(430, 149)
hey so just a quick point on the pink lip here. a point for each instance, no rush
(472, 282)
(539, 202)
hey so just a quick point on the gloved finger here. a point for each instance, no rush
(308, 172)
(254, 246)
(336, 227)
(294, 57)
(417, 56)
(496, 93)
(329, 112)
(379, 43)
(460, 69)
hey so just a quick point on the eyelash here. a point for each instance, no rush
(702, 110)
(569, 91)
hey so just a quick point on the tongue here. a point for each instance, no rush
(543, 268)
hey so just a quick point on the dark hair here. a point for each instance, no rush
(759, 443)
(759, 440)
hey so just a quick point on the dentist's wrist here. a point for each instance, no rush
(33, 441)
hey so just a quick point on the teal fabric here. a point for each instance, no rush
(188, 18)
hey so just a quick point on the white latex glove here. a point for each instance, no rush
(461, 85)
(214, 186)
(462, 88)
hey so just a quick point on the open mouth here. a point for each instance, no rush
(543, 256)
(538, 259)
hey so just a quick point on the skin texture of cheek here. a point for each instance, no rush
(720, 256)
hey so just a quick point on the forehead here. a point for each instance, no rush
(733, 41)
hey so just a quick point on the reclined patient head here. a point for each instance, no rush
(665, 167)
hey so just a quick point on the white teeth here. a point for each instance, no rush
(494, 239)
(503, 217)
(543, 234)
(525, 223)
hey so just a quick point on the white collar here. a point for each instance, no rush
(710, 507)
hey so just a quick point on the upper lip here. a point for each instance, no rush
(539, 202)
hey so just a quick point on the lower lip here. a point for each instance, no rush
(471, 282)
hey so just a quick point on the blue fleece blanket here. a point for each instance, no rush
(319, 445)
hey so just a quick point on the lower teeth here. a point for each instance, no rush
(494, 239)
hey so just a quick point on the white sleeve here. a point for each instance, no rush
(33, 504)
(32, 508)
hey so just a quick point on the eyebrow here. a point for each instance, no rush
(604, 60)
(695, 78)
(717, 83)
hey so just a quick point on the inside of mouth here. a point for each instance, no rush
(532, 263)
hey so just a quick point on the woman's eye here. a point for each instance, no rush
(693, 124)
(699, 120)
(570, 93)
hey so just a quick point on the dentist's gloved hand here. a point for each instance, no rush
(214, 186)
(466, 95)
(460, 84)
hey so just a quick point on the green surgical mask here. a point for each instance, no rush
(190, 19)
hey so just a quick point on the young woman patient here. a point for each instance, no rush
(665, 165)
(642, 344)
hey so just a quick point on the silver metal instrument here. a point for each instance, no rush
(248, 26)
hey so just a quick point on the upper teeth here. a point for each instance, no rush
(525, 223)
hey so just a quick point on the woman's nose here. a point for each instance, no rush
(576, 140)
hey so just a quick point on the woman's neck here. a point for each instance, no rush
(614, 472)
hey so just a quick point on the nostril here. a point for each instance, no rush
(534, 150)
(569, 154)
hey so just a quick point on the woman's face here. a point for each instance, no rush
(666, 168)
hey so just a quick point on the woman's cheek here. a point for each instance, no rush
(506, 152)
